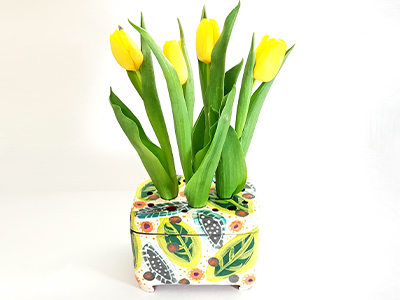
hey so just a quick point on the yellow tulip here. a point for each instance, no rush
(173, 53)
(125, 51)
(206, 37)
(269, 58)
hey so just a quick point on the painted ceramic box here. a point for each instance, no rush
(173, 243)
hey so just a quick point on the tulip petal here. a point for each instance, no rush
(261, 46)
(270, 60)
(205, 41)
(216, 32)
(174, 54)
(121, 55)
(125, 51)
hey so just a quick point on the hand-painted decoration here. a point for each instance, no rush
(235, 258)
(179, 242)
(158, 268)
(162, 209)
(213, 225)
(215, 244)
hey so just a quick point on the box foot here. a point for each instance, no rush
(147, 288)
(244, 287)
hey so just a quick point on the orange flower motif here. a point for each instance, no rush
(236, 226)
(139, 204)
(147, 226)
(196, 274)
(249, 279)
(182, 194)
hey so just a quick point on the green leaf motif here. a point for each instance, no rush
(136, 245)
(236, 257)
(148, 192)
(145, 190)
(240, 204)
(179, 242)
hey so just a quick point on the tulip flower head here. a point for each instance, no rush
(269, 58)
(206, 37)
(125, 51)
(173, 53)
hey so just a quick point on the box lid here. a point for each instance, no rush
(152, 215)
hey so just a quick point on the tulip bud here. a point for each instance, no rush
(269, 58)
(206, 37)
(125, 51)
(173, 53)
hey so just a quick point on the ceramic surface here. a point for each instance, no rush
(173, 243)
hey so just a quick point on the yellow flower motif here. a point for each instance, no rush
(206, 37)
(125, 51)
(173, 53)
(269, 58)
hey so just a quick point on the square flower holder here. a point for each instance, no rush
(173, 243)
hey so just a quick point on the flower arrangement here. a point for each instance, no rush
(211, 146)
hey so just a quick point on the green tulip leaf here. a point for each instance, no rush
(198, 188)
(256, 103)
(231, 175)
(153, 157)
(231, 77)
(153, 108)
(235, 257)
(189, 85)
(178, 103)
(180, 243)
(198, 133)
(245, 91)
(215, 89)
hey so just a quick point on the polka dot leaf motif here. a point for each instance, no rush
(179, 242)
(212, 224)
(235, 257)
(157, 265)
(240, 205)
(163, 209)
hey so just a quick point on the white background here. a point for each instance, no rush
(325, 155)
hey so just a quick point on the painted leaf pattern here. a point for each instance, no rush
(235, 257)
(179, 242)
(157, 265)
(148, 192)
(240, 204)
(163, 209)
(213, 225)
(135, 240)
(136, 245)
